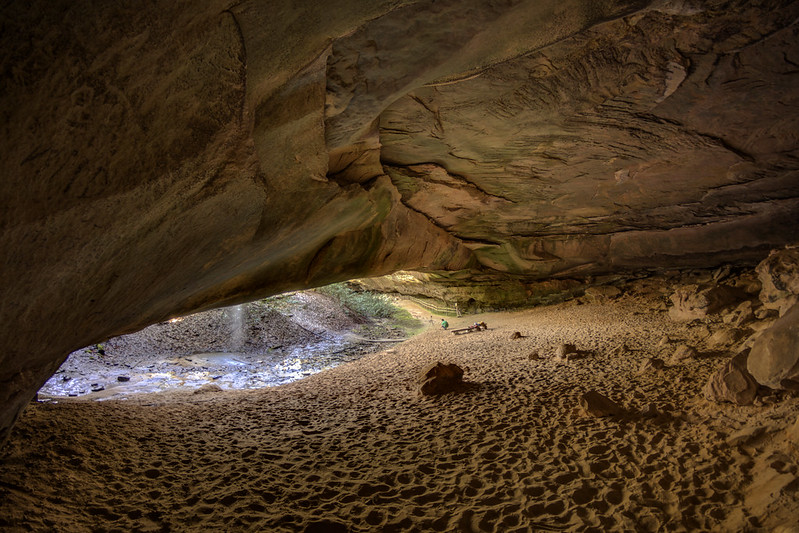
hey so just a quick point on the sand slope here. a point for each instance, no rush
(356, 448)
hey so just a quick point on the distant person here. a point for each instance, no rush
(457, 309)
(444, 323)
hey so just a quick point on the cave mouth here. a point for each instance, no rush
(588, 404)
(264, 343)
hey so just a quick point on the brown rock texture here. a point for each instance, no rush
(173, 157)
(442, 378)
(779, 277)
(774, 357)
(597, 405)
(732, 383)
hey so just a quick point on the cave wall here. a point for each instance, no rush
(173, 157)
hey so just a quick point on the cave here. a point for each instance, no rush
(613, 185)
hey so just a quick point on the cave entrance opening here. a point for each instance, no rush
(263, 343)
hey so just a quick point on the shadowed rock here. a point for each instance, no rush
(732, 383)
(774, 357)
(598, 405)
(442, 378)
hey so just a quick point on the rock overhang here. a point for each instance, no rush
(168, 161)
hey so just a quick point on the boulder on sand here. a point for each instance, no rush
(732, 383)
(595, 404)
(652, 364)
(442, 378)
(774, 358)
(683, 352)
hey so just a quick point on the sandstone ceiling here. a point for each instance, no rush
(171, 157)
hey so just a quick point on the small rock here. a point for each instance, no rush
(651, 364)
(597, 405)
(565, 349)
(683, 352)
(98, 388)
(516, 335)
(123, 378)
(534, 356)
(441, 378)
(732, 383)
(664, 341)
(208, 387)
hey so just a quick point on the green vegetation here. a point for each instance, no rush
(364, 303)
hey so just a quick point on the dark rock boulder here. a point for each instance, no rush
(774, 358)
(442, 378)
(597, 405)
(683, 352)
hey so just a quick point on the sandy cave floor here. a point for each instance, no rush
(356, 448)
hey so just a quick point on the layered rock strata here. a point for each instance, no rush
(165, 159)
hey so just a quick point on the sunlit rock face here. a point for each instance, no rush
(164, 159)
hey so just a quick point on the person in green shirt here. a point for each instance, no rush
(444, 323)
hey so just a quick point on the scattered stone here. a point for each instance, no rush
(516, 335)
(697, 301)
(652, 364)
(534, 356)
(775, 354)
(597, 405)
(562, 351)
(683, 352)
(745, 435)
(123, 379)
(664, 341)
(779, 277)
(208, 387)
(442, 378)
(732, 383)
(726, 337)
(97, 388)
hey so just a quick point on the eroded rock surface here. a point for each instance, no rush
(171, 158)
(774, 359)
